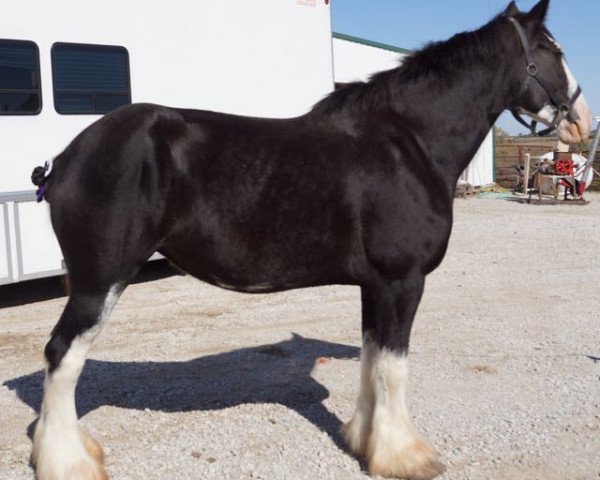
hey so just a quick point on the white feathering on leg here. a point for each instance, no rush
(356, 432)
(394, 447)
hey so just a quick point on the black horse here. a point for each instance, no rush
(358, 191)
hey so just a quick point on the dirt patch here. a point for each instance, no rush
(483, 369)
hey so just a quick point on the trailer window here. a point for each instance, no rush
(89, 78)
(20, 92)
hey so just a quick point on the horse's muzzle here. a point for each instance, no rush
(578, 129)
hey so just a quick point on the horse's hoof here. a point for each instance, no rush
(415, 461)
(356, 436)
(88, 471)
(93, 448)
(49, 465)
(84, 469)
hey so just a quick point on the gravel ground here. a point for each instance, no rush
(192, 382)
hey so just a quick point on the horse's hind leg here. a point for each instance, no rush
(60, 450)
(381, 428)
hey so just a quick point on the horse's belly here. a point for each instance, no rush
(270, 268)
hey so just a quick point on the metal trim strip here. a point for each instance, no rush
(8, 247)
(18, 196)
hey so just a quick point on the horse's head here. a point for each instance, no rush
(545, 88)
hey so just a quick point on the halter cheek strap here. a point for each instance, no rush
(563, 110)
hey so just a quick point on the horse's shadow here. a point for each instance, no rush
(275, 373)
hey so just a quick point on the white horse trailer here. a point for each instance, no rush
(64, 63)
(357, 59)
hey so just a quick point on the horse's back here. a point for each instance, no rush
(266, 208)
(251, 202)
(230, 199)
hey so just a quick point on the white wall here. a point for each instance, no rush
(269, 58)
(480, 171)
(355, 61)
(264, 58)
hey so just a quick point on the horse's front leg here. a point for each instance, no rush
(381, 428)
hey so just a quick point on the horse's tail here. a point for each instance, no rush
(40, 177)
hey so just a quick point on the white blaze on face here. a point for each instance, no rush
(575, 132)
(569, 132)
(548, 113)
(570, 78)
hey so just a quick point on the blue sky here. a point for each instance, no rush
(411, 23)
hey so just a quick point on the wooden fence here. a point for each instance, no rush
(510, 152)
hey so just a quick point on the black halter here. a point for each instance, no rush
(563, 109)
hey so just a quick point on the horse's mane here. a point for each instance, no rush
(436, 59)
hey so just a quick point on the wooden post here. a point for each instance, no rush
(526, 173)
(561, 147)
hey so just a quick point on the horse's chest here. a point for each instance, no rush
(406, 239)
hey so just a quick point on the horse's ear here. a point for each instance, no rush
(538, 13)
(511, 10)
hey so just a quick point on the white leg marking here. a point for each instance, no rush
(59, 448)
(357, 431)
(392, 429)
(394, 447)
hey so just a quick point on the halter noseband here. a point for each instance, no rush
(563, 109)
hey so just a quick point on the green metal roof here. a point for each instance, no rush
(370, 43)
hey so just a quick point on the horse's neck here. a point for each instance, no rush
(451, 117)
